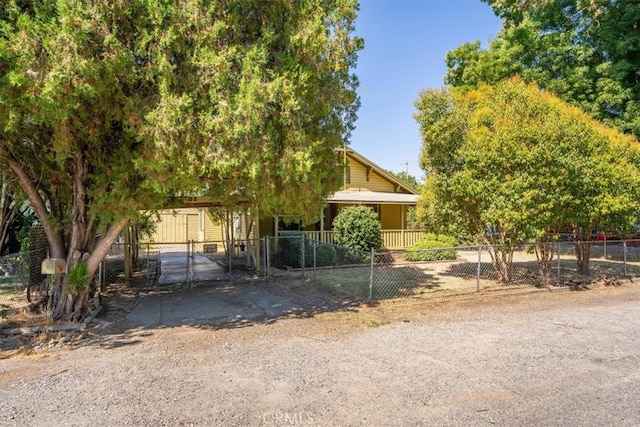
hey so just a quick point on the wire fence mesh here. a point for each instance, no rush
(19, 270)
(181, 263)
(359, 274)
(403, 273)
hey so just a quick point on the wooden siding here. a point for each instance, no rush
(391, 216)
(374, 183)
(193, 227)
(182, 225)
(179, 225)
(213, 232)
(174, 226)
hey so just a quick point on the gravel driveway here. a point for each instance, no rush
(570, 358)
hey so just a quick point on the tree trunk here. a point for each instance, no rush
(8, 215)
(544, 249)
(502, 260)
(73, 307)
(582, 243)
(501, 252)
(54, 237)
(583, 257)
(250, 247)
(67, 304)
(128, 254)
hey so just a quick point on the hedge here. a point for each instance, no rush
(290, 251)
(432, 247)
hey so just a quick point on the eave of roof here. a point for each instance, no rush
(373, 197)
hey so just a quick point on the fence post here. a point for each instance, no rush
(229, 254)
(302, 237)
(148, 269)
(371, 275)
(100, 276)
(186, 279)
(624, 247)
(479, 268)
(267, 252)
(558, 252)
(315, 262)
(263, 243)
(190, 263)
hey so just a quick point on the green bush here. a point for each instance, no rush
(77, 278)
(358, 227)
(346, 256)
(290, 251)
(324, 256)
(432, 247)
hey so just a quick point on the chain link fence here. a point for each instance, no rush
(19, 270)
(363, 275)
(148, 265)
(393, 274)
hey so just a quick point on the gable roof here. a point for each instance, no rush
(403, 194)
(380, 171)
(408, 195)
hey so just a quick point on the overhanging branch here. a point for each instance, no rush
(39, 207)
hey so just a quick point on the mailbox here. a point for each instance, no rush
(52, 266)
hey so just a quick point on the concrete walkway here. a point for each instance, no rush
(222, 304)
(174, 268)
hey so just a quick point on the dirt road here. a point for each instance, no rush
(570, 358)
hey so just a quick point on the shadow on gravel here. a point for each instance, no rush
(129, 313)
(211, 305)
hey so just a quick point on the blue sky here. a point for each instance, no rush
(405, 45)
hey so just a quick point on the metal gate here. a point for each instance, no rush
(161, 264)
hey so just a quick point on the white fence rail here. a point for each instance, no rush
(392, 239)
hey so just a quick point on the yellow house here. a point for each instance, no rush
(364, 183)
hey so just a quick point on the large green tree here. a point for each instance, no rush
(585, 51)
(510, 162)
(110, 107)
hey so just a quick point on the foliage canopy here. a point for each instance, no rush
(107, 108)
(585, 51)
(508, 163)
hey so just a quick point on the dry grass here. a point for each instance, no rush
(360, 319)
(17, 312)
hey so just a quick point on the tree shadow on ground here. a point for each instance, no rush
(211, 305)
(404, 281)
(528, 272)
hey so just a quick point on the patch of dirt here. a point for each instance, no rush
(40, 336)
(482, 359)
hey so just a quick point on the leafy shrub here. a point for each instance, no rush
(290, 251)
(432, 247)
(324, 256)
(346, 256)
(77, 278)
(358, 227)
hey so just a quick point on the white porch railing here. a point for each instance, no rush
(320, 236)
(392, 239)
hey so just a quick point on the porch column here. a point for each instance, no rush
(403, 225)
